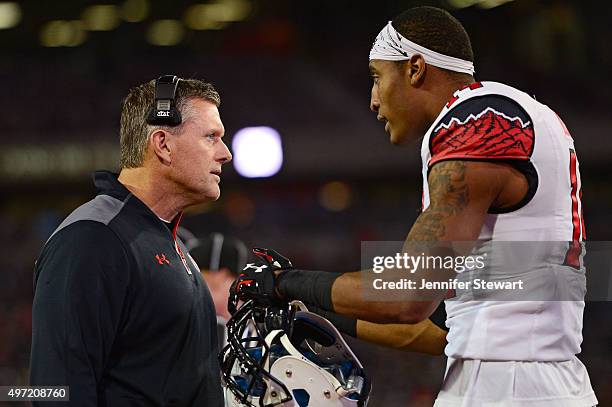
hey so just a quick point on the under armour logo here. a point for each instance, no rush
(258, 269)
(161, 259)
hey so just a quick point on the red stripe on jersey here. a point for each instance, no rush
(452, 100)
(582, 217)
(572, 257)
(574, 194)
(472, 86)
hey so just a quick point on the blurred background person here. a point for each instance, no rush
(220, 258)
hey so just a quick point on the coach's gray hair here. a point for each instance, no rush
(134, 132)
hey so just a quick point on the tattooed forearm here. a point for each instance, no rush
(448, 193)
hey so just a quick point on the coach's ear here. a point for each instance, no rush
(415, 69)
(159, 144)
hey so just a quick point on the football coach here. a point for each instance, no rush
(121, 314)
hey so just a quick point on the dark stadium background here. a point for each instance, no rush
(300, 67)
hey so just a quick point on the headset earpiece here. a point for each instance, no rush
(164, 111)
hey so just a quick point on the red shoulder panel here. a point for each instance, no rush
(487, 135)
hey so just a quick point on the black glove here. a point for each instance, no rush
(257, 281)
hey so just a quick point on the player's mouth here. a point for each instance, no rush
(384, 120)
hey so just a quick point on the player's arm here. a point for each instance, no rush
(423, 337)
(461, 193)
(80, 287)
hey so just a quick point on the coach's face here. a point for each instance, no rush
(395, 101)
(198, 152)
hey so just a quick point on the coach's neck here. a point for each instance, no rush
(154, 190)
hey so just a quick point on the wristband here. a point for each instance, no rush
(312, 287)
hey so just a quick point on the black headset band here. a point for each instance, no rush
(164, 111)
(165, 87)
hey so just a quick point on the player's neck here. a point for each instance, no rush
(445, 91)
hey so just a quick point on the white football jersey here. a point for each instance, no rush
(495, 122)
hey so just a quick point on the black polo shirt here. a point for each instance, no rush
(121, 313)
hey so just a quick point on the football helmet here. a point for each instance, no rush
(289, 357)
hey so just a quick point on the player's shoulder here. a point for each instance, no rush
(484, 121)
(488, 99)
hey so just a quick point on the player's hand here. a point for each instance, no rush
(257, 281)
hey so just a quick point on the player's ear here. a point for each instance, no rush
(415, 69)
(159, 144)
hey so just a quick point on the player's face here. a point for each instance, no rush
(395, 102)
(199, 152)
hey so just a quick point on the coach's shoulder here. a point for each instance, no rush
(83, 235)
(84, 246)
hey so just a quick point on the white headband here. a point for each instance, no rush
(392, 46)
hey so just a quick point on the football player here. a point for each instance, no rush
(498, 166)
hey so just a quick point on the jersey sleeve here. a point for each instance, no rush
(80, 286)
(489, 127)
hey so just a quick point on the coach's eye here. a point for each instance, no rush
(211, 137)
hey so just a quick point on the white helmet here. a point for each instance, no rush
(290, 358)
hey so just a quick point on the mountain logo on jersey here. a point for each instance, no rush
(487, 134)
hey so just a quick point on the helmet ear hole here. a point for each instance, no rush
(306, 330)
(301, 397)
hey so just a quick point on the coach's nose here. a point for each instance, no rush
(225, 155)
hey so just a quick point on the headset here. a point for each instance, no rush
(164, 111)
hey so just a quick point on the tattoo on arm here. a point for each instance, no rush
(449, 194)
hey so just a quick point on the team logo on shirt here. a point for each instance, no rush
(162, 259)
